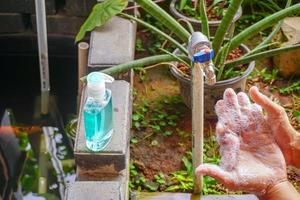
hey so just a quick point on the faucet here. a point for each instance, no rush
(201, 52)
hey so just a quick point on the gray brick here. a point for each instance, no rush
(186, 196)
(25, 6)
(61, 24)
(12, 23)
(112, 160)
(112, 44)
(100, 190)
(80, 7)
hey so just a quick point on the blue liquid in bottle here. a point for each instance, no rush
(98, 122)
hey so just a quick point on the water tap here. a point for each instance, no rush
(200, 51)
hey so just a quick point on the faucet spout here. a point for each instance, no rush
(200, 51)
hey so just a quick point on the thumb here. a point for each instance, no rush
(264, 101)
(216, 172)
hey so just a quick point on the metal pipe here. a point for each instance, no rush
(40, 11)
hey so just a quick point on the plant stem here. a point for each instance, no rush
(273, 33)
(140, 63)
(261, 55)
(225, 23)
(263, 24)
(159, 14)
(204, 19)
(159, 32)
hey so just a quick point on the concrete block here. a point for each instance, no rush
(25, 6)
(100, 190)
(61, 24)
(112, 160)
(187, 196)
(12, 23)
(112, 44)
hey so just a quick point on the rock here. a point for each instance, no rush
(12, 23)
(289, 63)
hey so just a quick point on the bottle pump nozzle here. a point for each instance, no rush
(96, 85)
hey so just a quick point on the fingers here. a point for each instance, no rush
(230, 100)
(264, 101)
(229, 147)
(217, 173)
(243, 99)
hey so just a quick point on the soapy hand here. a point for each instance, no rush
(251, 159)
(285, 135)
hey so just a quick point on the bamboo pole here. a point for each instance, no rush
(197, 123)
(83, 48)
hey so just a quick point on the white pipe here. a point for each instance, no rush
(40, 11)
(197, 122)
(83, 49)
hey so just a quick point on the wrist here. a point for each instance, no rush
(283, 191)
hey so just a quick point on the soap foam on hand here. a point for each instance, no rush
(251, 159)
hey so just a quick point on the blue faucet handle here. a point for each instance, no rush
(203, 56)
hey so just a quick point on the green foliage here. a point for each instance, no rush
(294, 87)
(296, 114)
(100, 14)
(204, 19)
(266, 75)
(225, 23)
(139, 45)
(160, 117)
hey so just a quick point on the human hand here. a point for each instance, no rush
(284, 133)
(250, 158)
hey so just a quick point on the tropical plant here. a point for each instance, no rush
(222, 47)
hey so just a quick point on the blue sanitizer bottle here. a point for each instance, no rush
(98, 112)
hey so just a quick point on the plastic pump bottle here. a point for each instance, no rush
(98, 112)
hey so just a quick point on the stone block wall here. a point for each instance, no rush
(64, 17)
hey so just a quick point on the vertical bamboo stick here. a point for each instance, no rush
(197, 123)
(83, 48)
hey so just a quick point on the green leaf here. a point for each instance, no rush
(225, 23)
(297, 115)
(172, 188)
(261, 55)
(204, 19)
(268, 39)
(168, 21)
(136, 117)
(168, 133)
(100, 14)
(159, 32)
(143, 62)
(263, 24)
(188, 165)
(134, 140)
(182, 4)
